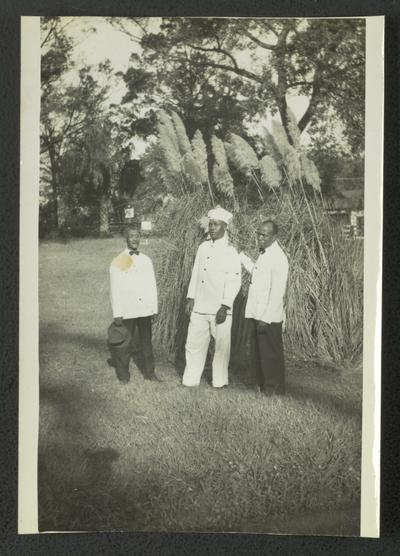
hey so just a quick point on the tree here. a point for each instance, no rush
(156, 80)
(232, 69)
(96, 169)
(68, 111)
(55, 60)
(67, 114)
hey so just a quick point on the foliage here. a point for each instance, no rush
(180, 131)
(337, 173)
(198, 66)
(242, 154)
(56, 47)
(158, 80)
(69, 114)
(221, 177)
(179, 164)
(271, 176)
(324, 300)
(200, 154)
(84, 153)
(169, 148)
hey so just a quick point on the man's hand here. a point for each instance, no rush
(220, 317)
(118, 321)
(189, 306)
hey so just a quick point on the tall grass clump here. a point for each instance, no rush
(325, 288)
(182, 165)
(176, 256)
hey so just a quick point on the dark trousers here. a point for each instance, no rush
(143, 358)
(270, 362)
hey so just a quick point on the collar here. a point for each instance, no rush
(221, 241)
(270, 247)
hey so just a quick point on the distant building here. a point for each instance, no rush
(346, 207)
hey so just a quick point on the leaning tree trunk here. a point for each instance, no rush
(104, 220)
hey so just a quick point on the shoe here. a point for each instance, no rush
(280, 390)
(267, 391)
(273, 390)
(123, 378)
(153, 378)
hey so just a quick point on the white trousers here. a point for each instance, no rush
(201, 328)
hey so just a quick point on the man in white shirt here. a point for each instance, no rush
(265, 306)
(134, 302)
(214, 284)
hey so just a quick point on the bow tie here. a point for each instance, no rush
(134, 252)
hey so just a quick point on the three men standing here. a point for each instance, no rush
(265, 308)
(213, 287)
(214, 284)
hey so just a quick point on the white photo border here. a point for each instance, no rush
(29, 277)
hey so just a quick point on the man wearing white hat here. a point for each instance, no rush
(214, 284)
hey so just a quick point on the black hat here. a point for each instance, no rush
(118, 335)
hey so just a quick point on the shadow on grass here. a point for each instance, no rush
(54, 334)
(314, 385)
(327, 398)
(76, 484)
(74, 489)
(80, 488)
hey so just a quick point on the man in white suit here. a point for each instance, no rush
(134, 303)
(265, 307)
(214, 284)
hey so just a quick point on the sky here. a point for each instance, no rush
(105, 42)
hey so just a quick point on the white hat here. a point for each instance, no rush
(219, 214)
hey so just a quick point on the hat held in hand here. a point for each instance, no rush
(118, 335)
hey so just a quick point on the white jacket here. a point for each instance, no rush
(216, 276)
(133, 286)
(268, 284)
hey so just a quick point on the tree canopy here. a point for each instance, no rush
(82, 148)
(218, 73)
(217, 77)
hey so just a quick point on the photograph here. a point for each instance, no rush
(201, 272)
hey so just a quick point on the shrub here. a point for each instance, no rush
(325, 288)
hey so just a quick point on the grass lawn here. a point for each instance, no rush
(157, 456)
